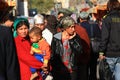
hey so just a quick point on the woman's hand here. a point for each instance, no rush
(45, 69)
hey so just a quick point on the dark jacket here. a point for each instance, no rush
(86, 25)
(9, 68)
(92, 29)
(84, 58)
(110, 41)
(57, 52)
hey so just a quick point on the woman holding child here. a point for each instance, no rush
(26, 60)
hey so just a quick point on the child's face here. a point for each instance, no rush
(34, 38)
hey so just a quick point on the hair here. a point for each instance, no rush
(60, 13)
(36, 31)
(67, 22)
(113, 5)
(5, 9)
(21, 23)
(51, 23)
(9, 17)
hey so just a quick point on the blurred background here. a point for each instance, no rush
(28, 8)
(32, 7)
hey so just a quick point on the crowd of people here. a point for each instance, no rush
(59, 47)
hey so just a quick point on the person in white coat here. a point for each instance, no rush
(39, 22)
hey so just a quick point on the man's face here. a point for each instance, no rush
(41, 26)
(9, 23)
(70, 30)
(60, 16)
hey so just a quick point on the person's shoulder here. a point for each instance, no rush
(2, 27)
(43, 42)
(5, 30)
(79, 28)
(109, 14)
(47, 30)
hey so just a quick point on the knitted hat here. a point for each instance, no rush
(67, 22)
(38, 19)
(16, 22)
(84, 15)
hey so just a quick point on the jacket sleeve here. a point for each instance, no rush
(104, 34)
(46, 48)
(53, 48)
(75, 44)
(12, 64)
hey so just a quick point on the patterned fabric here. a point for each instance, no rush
(66, 54)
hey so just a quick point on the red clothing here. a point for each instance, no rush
(84, 58)
(25, 59)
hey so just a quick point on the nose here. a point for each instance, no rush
(73, 28)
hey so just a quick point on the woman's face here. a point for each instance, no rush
(23, 31)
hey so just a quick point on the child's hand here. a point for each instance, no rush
(45, 69)
(31, 52)
(33, 76)
(45, 65)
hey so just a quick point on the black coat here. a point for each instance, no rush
(110, 36)
(9, 67)
(58, 67)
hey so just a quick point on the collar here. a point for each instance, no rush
(41, 39)
(22, 38)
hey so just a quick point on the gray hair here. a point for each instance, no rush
(67, 22)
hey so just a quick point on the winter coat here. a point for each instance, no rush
(57, 52)
(9, 67)
(26, 60)
(83, 58)
(110, 37)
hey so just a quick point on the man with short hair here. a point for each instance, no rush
(9, 65)
(8, 20)
(110, 38)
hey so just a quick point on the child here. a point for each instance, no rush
(40, 49)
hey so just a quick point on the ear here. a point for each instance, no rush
(39, 37)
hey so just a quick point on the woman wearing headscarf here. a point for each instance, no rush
(21, 28)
